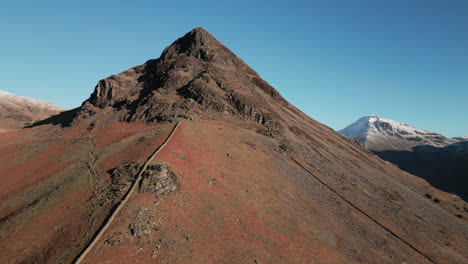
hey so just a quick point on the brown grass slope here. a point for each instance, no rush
(260, 182)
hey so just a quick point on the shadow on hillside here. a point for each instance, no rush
(63, 119)
(444, 168)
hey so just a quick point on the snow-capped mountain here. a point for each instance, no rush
(378, 134)
(17, 111)
(442, 161)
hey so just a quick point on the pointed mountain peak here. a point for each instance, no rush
(197, 37)
(196, 76)
(196, 43)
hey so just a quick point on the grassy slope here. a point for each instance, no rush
(263, 209)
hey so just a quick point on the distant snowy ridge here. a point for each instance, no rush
(377, 133)
(29, 101)
(16, 111)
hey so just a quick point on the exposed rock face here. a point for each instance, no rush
(125, 174)
(159, 179)
(122, 178)
(193, 76)
(17, 111)
(143, 224)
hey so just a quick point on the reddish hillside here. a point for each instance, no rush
(245, 178)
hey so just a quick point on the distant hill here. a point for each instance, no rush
(17, 111)
(441, 161)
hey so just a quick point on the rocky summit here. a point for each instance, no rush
(194, 158)
(196, 76)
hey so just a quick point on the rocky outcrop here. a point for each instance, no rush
(142, 224)
(159, 179)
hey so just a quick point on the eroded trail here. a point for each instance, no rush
(124, 200)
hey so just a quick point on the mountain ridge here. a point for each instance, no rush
(377, 133)
(440, 160)
(16, 111)
(246, 178)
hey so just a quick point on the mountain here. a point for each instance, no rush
(377, 133)
(194, 158)
(196, 75)
(17, 111)
(441, 161)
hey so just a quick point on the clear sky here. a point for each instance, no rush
(335, 60)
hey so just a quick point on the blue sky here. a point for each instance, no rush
(335, 60)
